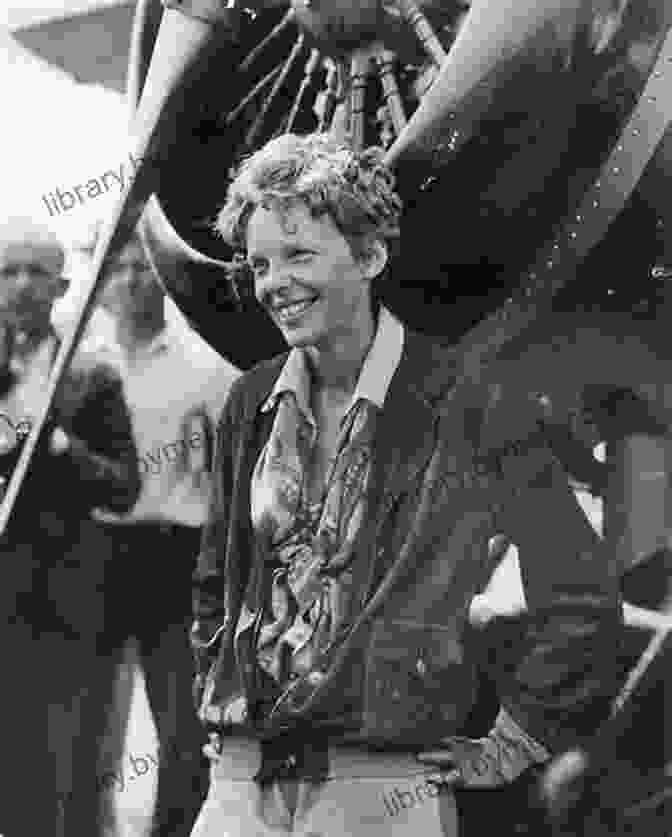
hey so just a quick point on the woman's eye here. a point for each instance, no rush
(302, 256)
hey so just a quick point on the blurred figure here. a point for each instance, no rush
(175, 386)
(31, 268)
(54, 554)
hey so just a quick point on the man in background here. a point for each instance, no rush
(54, 554)
(175, 387)
(31, 268)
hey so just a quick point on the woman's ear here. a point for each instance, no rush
(373, 257)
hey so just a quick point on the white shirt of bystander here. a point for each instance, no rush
(175, 389)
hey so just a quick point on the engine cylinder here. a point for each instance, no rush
(339, 26)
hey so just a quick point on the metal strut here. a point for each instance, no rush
(311, 68)
(259, 121)
(424, 30)
(391, 94)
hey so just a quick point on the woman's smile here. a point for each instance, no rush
(288, 312)
(307, 278)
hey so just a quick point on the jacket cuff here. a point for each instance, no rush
(555, 738)
(506, 728)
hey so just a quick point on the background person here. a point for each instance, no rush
(54, 554)
(175, 386)
(343, 482)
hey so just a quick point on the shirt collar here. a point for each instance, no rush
(374, 380)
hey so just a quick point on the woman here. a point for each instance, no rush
(348, 532)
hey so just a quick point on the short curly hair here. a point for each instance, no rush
(355, 189)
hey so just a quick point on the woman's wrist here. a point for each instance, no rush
(507, 731)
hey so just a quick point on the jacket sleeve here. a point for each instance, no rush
(209, 582)
(565, 671)
(102, 451)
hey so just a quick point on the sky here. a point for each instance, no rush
(58, 134)
(18, 13)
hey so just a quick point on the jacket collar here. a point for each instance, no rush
(406, 429)
(426, 371)
(406, 433)
(377, 371)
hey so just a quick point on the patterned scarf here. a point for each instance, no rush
(312, 591)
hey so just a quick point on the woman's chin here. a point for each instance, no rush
(300, 335)
(298, 338)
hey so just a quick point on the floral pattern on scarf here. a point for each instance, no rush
(312, 599)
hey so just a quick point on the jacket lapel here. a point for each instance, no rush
(407, 425)
(406, 433)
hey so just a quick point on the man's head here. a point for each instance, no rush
(132, 292)
(315, 220)
(31, 267)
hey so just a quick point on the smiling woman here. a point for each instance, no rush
(315, 222)
(349, 529)
(308, 279)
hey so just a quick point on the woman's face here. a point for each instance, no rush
(306, 276)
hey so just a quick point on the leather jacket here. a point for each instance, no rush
(404, 674)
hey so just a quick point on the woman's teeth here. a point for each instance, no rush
(288, 312)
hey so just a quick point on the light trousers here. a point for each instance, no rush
(365, 795)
